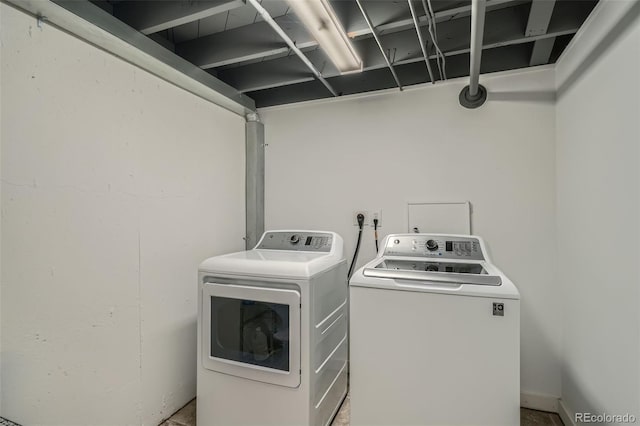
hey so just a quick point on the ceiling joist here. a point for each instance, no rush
(498, 59)
(231, 42)
(502, 28)
(169, 13)
(539, 17)
(541, 52)
(537, 25)
(257, 40)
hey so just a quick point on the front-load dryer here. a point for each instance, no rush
(272, 332)
(435, 335)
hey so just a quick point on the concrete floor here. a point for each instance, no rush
(186, 416)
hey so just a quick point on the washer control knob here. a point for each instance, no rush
(431, 245)
(295, 239)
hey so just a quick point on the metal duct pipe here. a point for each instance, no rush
(376, 36)
(423, 45)
(478, 8)
(269, 20)
(474, 95)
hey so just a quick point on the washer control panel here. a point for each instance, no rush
(297, 241)
(438, 246)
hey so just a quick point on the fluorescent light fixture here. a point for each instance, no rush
(320, 19)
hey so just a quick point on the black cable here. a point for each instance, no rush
(360, 218)
(375, 232)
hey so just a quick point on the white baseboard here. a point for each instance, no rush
(541, 402)
(566, 414)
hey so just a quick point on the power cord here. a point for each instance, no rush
(375, 232)
(360, 219)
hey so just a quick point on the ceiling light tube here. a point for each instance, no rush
(292, 45)
(321, 21)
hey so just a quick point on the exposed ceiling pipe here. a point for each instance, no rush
(474, 95)
(269, 20)
(423, 46)
(376, 36)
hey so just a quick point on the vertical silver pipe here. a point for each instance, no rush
(478, 8)
(423, 46)
(254, 180)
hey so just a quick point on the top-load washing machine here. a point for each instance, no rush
(272, 332)
(435, 335)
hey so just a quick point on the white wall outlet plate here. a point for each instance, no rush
(376, 214)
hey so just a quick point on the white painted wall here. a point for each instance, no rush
(115, 185)
(421, 145)
(1, 97)
(598, 199)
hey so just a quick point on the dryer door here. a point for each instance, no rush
(252, 332)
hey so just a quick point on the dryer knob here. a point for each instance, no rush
(431, 245)
(295, 239)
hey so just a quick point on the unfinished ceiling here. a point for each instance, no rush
(230, 40)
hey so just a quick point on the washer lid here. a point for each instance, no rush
(271, 263)
(436, 272)
(485, 281)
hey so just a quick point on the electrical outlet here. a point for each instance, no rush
(376, 214)
(355, 217)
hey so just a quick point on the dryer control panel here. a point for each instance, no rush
(434, 246)
(297, 240)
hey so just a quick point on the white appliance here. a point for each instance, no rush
(435, 335)
(272, 332)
